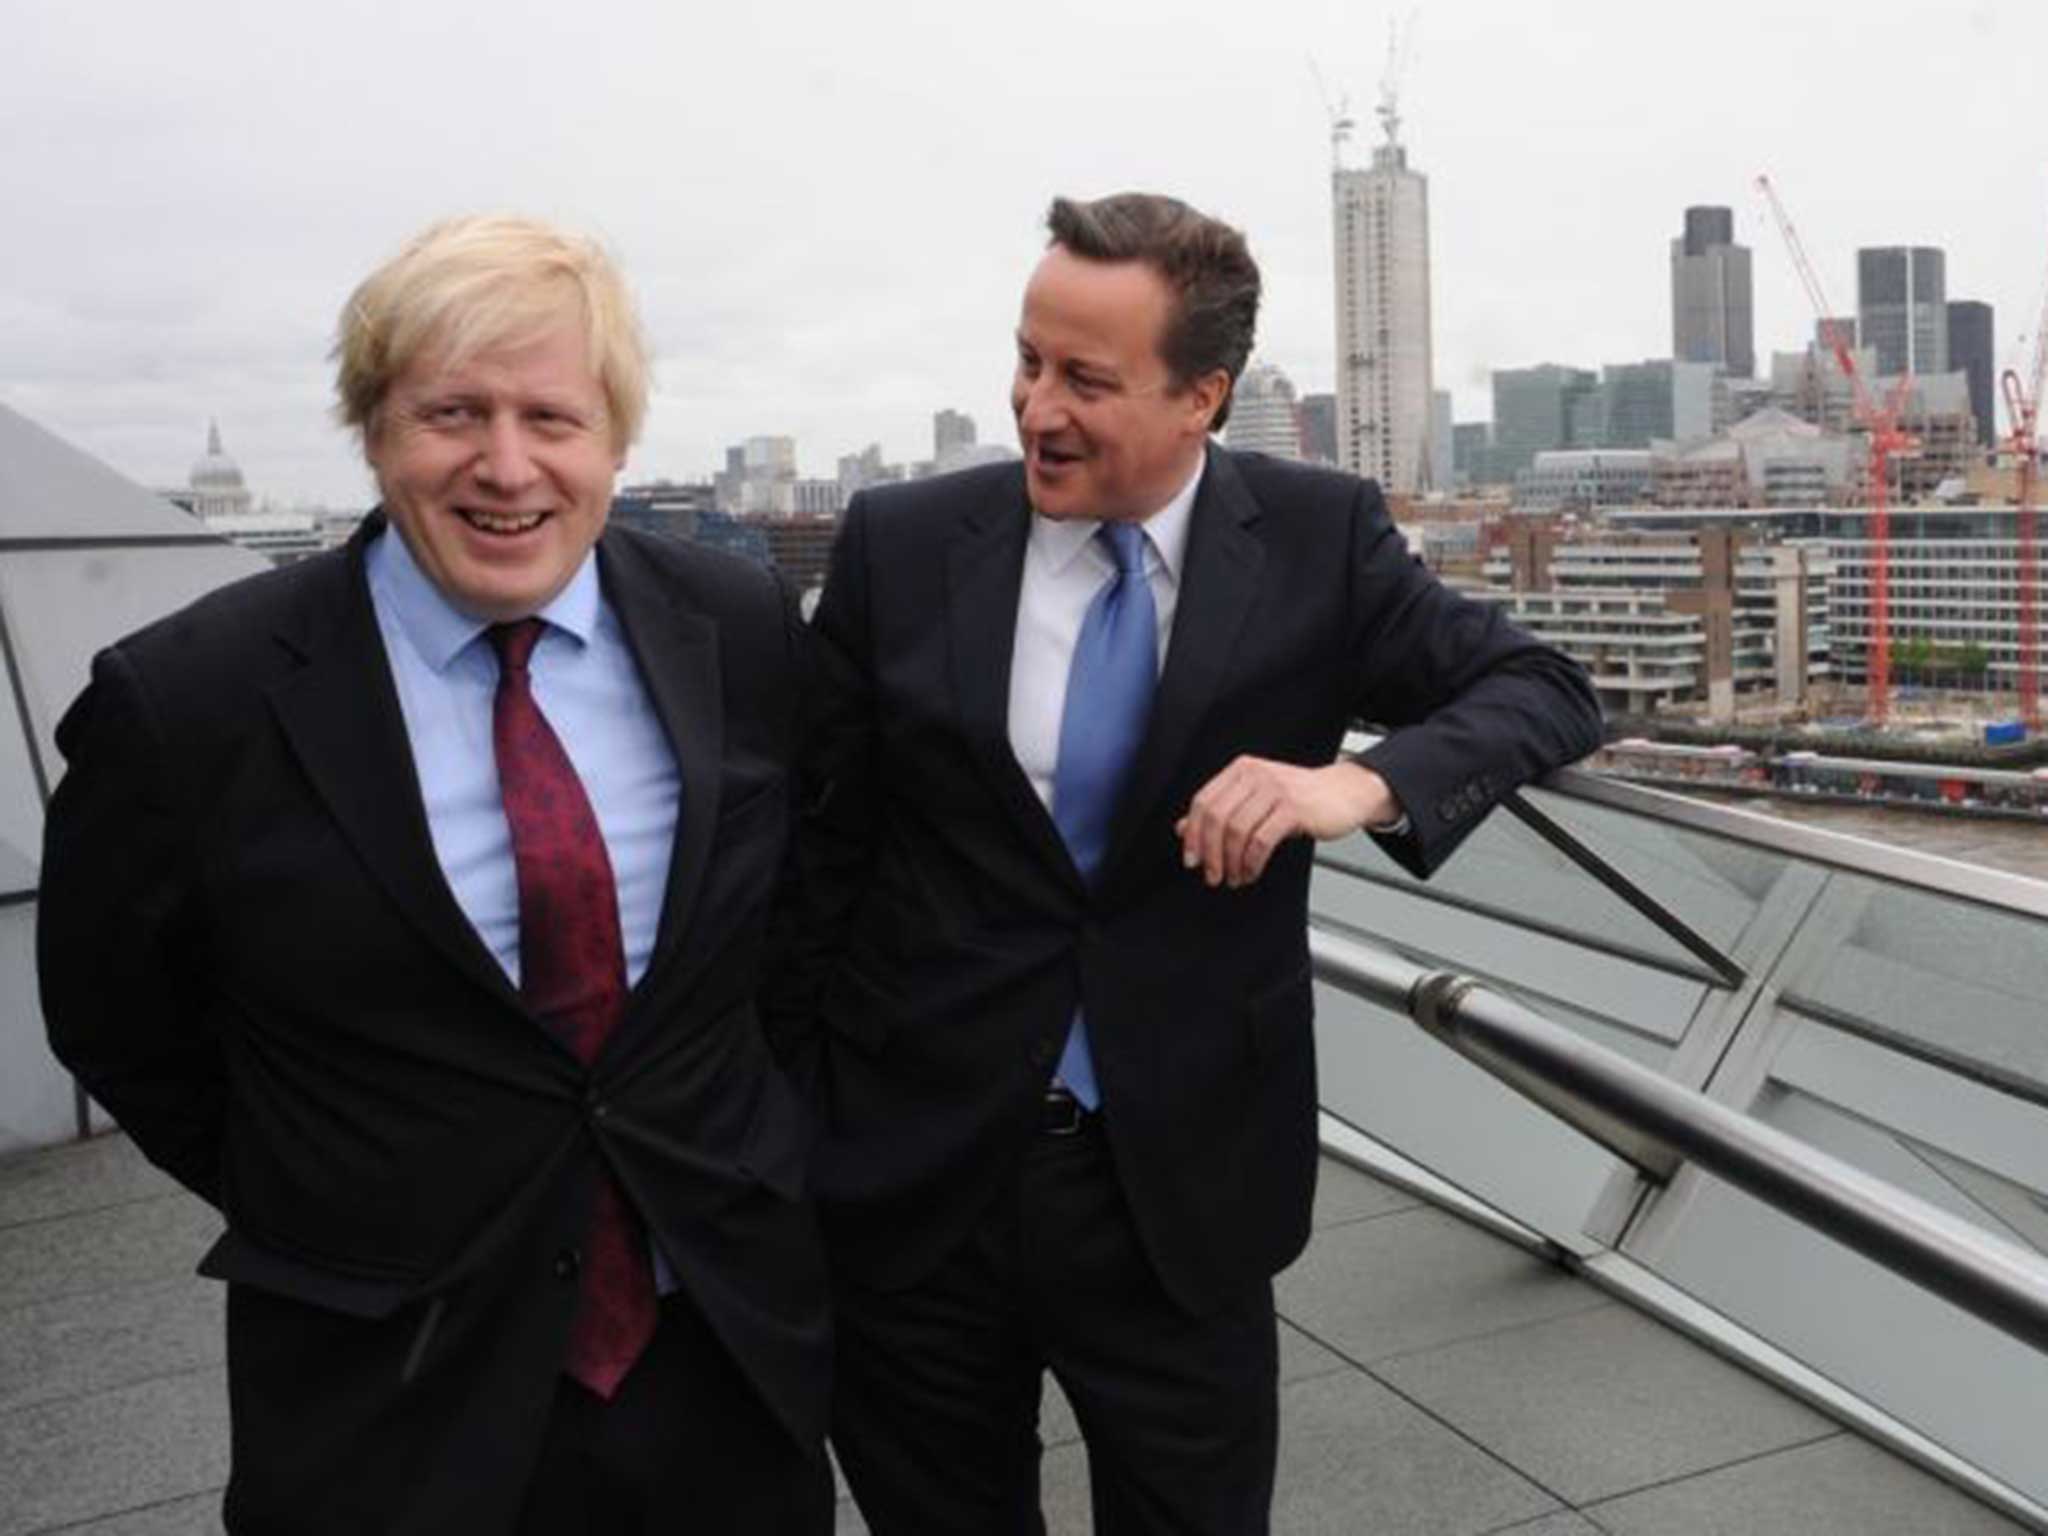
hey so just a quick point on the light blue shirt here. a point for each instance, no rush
(588, 685)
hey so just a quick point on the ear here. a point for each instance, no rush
(1206, 394)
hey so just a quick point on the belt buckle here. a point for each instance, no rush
(1061, 1114)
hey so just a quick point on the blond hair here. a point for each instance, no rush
(481, 283)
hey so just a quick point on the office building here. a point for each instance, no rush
(1443, 475)
(1685, 617)
(1384, 370)
(1319, 428)
(1584, 479)
(1902, 307)
(1264, 415)
(1712, 314)
(1539, 409)
(1973, 353)
(664, 507)
(1641, 402)
(952, 432)
(1471, 453)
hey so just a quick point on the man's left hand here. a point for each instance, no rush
(1239, 817)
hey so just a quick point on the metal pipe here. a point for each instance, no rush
(1653, 1122)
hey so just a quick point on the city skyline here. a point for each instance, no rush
(829, 225)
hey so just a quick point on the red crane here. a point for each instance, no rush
(2022, 402)
(1887, 442)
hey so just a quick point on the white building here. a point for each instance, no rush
(218, 489)
(1265, 413)
(219, 497)
(1381, 218)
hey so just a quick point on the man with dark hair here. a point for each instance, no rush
(1076, 724)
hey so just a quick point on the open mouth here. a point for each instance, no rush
(502, 525)
(1047, 457)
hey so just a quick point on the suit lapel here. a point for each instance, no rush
(340, 713)
(677, 651)
(1219, 580)
(984, 575)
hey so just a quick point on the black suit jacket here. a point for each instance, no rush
(250, 956)
(947, 936)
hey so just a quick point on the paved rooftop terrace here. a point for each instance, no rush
(1437, 1382)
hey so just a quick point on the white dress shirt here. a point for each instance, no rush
(1064, 567)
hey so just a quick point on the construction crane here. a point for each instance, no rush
(1341, 123)
(2022, 403)
(1880, 422)
(1400, 47)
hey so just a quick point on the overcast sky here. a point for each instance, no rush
(828, 210)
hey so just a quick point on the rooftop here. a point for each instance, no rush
(1435, 1379)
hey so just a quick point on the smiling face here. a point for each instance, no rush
(497, 472)
(1105, 430)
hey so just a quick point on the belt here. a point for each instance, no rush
(1061, 1114)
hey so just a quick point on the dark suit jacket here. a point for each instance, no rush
(947, 937)
(250, 956)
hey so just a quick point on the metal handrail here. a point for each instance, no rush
(1656, 1124)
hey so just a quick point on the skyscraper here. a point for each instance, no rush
(1263, 415)
(1972, 353)
(1712, 319)
(1902, 307)
(1381, 218)
(1319, 428)
(952, 431)
(1541, 408)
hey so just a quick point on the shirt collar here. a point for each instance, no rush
(439, 630)
(1060, 540)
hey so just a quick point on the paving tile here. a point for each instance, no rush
(1842, 1486)
(1063, 1492)
(81, 1344)
(196, 1516)
(82, 1176)
(1563, 1523)
(1599, 1403)
(1417, 1279)
(1345, 1194)
(90, 1457)
(145, 1242)
(1302, 1357)
(1355, 1458)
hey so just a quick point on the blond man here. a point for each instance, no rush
(406, 905)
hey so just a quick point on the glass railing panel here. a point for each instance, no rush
(1383, 1075)
(64, 604)
(1965, 983)
(1899, 1021)
(1508, 870)
(1957, 1380)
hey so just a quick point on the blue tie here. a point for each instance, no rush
(1109, 697)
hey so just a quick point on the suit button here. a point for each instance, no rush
(600, 1110)
(567, 1263)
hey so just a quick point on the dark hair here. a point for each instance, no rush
(1204, 261)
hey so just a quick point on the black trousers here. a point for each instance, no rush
(686, 1444)
(935, 1416)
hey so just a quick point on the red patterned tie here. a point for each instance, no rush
(572, 973)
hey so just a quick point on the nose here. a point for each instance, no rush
(505, 459)
(1039, 404)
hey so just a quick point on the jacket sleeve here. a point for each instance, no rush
(1472, 706)
(118, 952)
